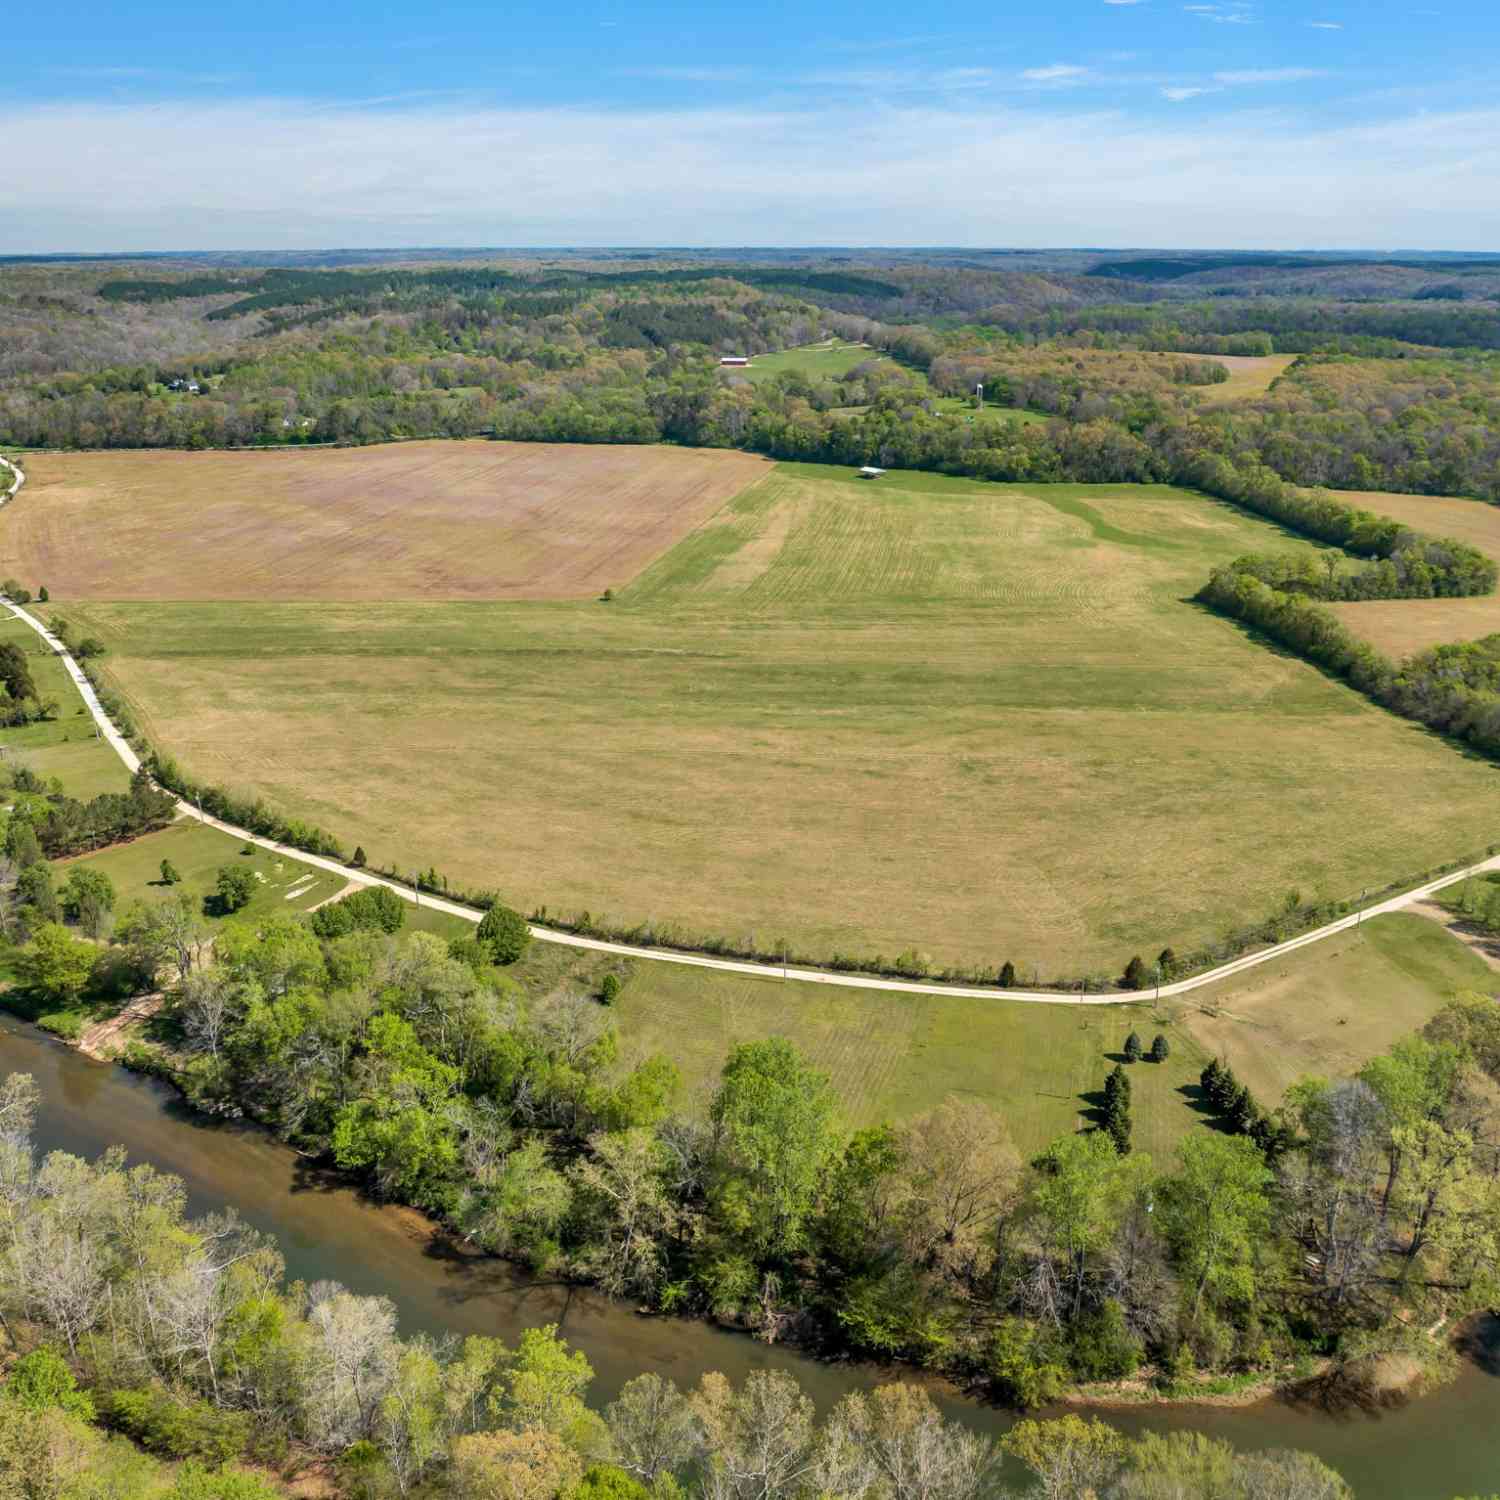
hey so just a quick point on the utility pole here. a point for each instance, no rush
(1359, 920)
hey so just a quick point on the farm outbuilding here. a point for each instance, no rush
(735, 361)
(870, 472)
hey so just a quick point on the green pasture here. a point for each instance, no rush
(815, 361)
(66, 746)
(1327, 1007)
(1323, 1009)
(283, 884)
(977, 722)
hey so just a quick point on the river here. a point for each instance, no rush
(1443, 1446)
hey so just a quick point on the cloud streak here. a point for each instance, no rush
(282, 174)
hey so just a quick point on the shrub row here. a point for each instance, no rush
(1454, 689)
(255, 814)
(1412, 565)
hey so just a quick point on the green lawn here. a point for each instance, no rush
(891, 1055)
(1327, 1007)
(199, 852)
(981, 721)
(1324, 1009)
(816, 361)
(66, 746)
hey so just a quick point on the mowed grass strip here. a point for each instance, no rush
(445, 520)
(816, 361)
(980, 721)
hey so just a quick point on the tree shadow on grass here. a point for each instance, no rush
(1198, 1101)
(1093, 1108)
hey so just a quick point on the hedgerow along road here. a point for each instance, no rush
(132, 762)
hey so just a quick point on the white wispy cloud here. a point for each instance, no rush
(1188, 91)
(1228, 13)
(1326, 25)
(279, 173)
(1269, 75)
(1055, 73)
(689, 73)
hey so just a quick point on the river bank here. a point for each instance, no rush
(1443, 1445)
(120, 1041)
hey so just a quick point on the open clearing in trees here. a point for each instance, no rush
(443, 520)
(1400, 627)
(981, 721)
(1249, 375)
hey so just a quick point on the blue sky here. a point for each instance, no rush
(1268, 123)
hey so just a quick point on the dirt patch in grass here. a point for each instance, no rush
(446, 520)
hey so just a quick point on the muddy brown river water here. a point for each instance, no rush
(1436, 1448)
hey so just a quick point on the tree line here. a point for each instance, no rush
(183, 1335)
(426, 1071)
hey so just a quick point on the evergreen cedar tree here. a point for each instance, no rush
(1007, 975)
(1160, 1050)
(609, 988)
(359, 857)
(1117, 1122)
(504, 933)
(1133, 1048)
(1239, 1113)
(1137, 977)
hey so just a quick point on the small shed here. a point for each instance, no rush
(735, 361)
(870, 472)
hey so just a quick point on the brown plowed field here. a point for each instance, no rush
(403, 521)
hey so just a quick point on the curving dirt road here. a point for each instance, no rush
(732, 966)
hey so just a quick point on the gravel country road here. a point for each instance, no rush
(725, 965)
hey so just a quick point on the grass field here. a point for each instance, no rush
(1400, 627)
(1328, 1007)
(1324, 1009)
(65, 747)
(1250, 375)
(890, 1056)
(442, 520)
(816, 361)
(977, 720)
(199, 852)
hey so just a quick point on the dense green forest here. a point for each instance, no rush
(1399, 395)
(153, 1356)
